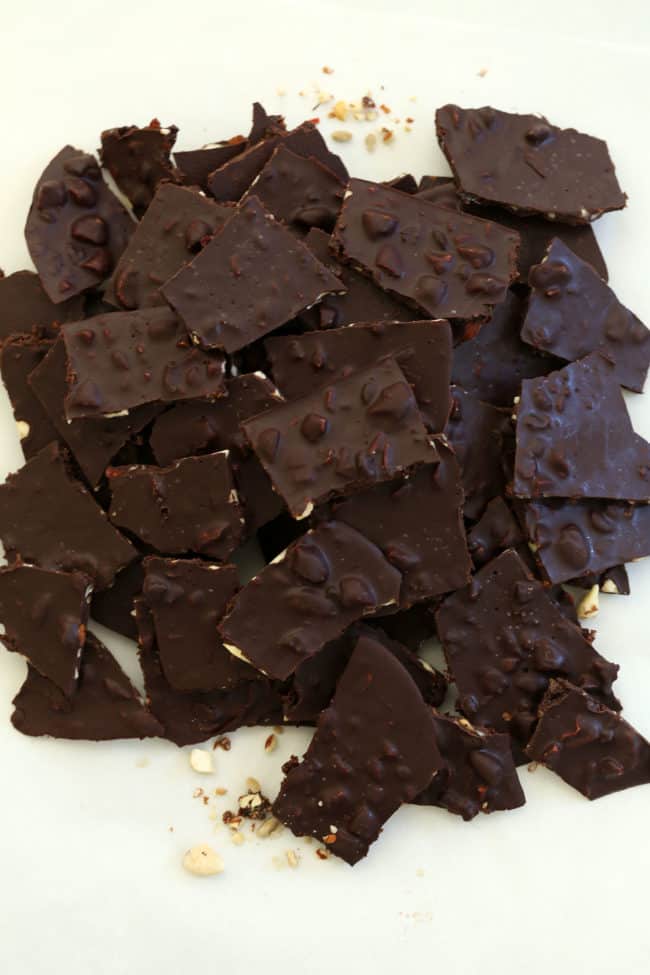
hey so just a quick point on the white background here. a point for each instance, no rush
(90, 876)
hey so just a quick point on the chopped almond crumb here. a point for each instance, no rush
(371, 141)
(329, 839)
(341, 135)
(220, 791)
(281, 92)
(322, 854)
(270, 744)
(385, 109)
(328, 70)
(292, 858)
(482, 73)
(409, 120)
(237, 838)
(197, 793)
(340, 111)
(387, 135)
(253, 785)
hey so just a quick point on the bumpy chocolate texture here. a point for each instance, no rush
(254, 276)
(447, 264)
(356, 432)
(572, 312)
(18, 356)
(104, 706)
(418, 525)
(186, 599)
(504, 639)
(49, 519)
(495, 531)
(24, 307)
(362, 301)
(324, 582)
(421, 349)
(575, 437)
(480, 774)
(478, 433)
(77, 229)
(125, 359)
(171, 232)
(374, 749)
(189, 507)
(113, 607)
(191, 717)
(492, 364)
(93, 441)
(44, 617)
(577, 538)
(138, 160)
(525, 163)
(592, 748)
(535, 233)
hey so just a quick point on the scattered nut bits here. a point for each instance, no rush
(588, 605)
(202, 861)
(201, 761)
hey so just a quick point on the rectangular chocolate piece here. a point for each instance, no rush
(572, 312)
(575, 437)
(25, 307)
(525, 163)
(358, 431)
(299, 191)
(250, 279)
(307, 597)
(418, 525)
(44, 615)
(362, 300)
(592, 748)
(77, 228)
(105, 704)
(49, 519)
(138, 159)
(125, 359)
(422, 350)
(578, 538)
(374, 749)
(192, 717)
(504, 639)
(169, 235)
(480, 774)
(186, 599)
(447, 264)
(93, 441)
(18, 356)
(190, 507)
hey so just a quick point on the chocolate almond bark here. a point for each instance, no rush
(138, 159)
(19, 355)
(26, 308)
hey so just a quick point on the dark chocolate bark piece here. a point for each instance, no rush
(374, 749)
(358, 431)
(49, 519)
(324, 582)
(480, 774)
(504, 639)
(525, 163)
(104, 706)
(478, 433)
(201, 426)
(362, 301)
(405, 183)
(496, 530)
(18, 357)
(412, 626)
(263, 125)
(254, 276)
(189, 507)
(447, 264)
(306, 140)
(44, 615)
(113, 607)
(25, 307)
(138, 159)
(572, 312)
(589, 746)
(299, 191)
(421, 349)
(578, 538)
(492, 364)
(196, 165)
(575, 437)
(259, 501)
(177, 222)
(186, 599)
(418, 525)
(119, 361)
(191, 717)
(77, 228)
(93, 441)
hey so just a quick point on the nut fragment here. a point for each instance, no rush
(269, 826)
(253, 785)
(588, 605)
(201, 761)
(340, 111)
(371, 141)
(292, 858)
(237, 838)
(609, 586)
(328, 70)
(341, 135)
(270, 744)
(202, 861)
(23, 429)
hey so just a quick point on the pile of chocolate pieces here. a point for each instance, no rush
(408, 394)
